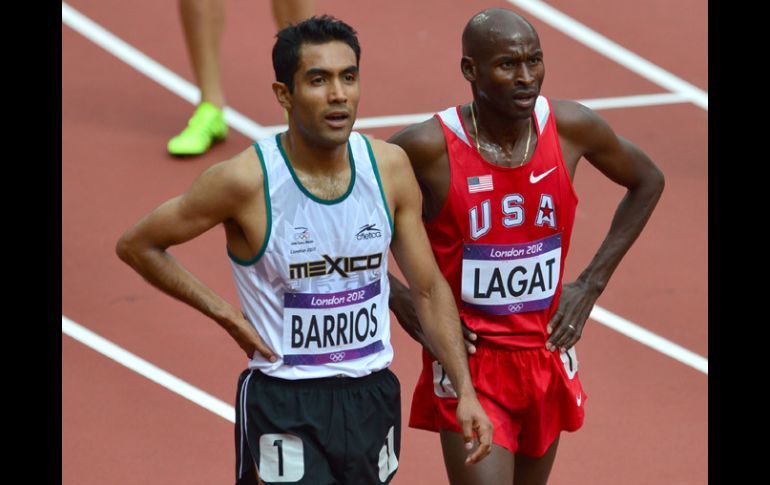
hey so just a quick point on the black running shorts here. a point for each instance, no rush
(333, 430)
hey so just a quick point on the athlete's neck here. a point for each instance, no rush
(496, 130)
(311, 158)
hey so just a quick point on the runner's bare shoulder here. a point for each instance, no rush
(241, 176)
(423, 142)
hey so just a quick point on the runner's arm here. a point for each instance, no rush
(584, 133)
(215, 196)
(433, 300)
(425, 146)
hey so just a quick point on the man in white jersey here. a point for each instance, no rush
(309, 216)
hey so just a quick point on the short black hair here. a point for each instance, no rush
(315, 30)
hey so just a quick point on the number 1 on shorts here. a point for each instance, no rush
(281, 457)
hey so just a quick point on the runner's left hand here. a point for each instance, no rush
(575, 305)
(474, 421)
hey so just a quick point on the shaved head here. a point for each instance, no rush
(503, 62)
(488, 26)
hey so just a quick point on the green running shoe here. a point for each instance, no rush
(206, 126)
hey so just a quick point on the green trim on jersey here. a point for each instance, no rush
(269, 210)
(379, 181)
(307, 192)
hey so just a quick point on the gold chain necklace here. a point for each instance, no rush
(476, 132)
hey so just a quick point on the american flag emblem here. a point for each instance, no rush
(482, 183)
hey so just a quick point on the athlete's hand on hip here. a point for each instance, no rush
(575, 305)
(474, 421)
(243, 332)
(470, 337)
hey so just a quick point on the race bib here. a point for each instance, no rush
(502, 279)
(320, 328)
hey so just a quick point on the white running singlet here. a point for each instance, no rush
(317, 292)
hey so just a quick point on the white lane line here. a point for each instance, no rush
(249, 127)
(146, 369)
(151, 68)
(634, 101)
(650, 339)
(613, 51)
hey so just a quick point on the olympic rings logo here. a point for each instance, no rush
(516, 307)
(337, 356)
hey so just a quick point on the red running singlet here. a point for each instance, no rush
(502, 236)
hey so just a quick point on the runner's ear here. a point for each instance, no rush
(283, 95)
(468, 68)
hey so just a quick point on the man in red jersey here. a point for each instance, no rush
(499, 205)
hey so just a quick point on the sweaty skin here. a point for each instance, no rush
(509, 66)
(503, 62)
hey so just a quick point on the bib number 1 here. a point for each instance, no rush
(281, 457)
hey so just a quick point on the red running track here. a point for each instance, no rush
(646, 418)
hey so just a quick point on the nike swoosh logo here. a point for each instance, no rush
(534, 180)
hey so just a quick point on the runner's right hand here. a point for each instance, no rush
(243, 332)
(470, 337)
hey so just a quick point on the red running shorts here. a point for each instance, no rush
(531, 395)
